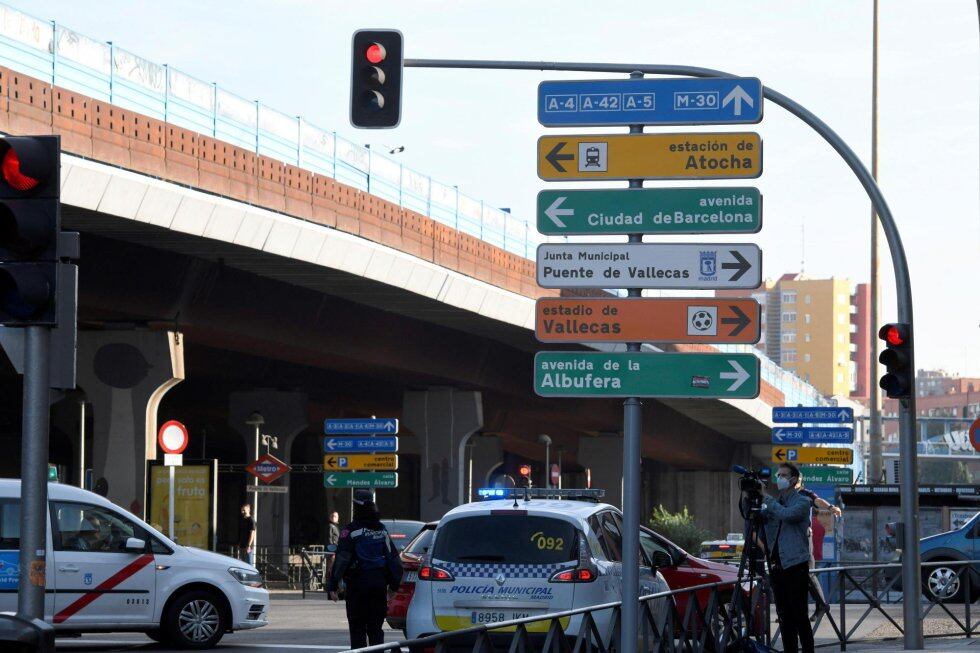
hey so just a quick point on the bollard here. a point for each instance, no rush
(20, 635)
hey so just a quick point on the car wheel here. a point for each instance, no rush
(194, 620)
(943, 583)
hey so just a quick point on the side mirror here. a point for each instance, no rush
(135, 545)
(661, 560)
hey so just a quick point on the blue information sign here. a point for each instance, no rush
(586, 103)
(813, 414)
(387, 426)
(383, 444)
(790, 435)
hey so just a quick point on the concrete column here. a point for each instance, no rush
(286, 415)
(125, 375)
(442, 419)
(603, 455)
(488, 452)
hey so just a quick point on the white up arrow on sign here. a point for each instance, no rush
(738, 95)
(739, 375)
(554, 213)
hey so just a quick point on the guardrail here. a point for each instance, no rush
(711, 620)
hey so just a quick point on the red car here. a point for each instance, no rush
(412, 557)
(685, 570)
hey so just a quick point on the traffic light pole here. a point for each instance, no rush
(911, 560)
(34, 473)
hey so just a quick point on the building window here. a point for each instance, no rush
(789, 297)
(840, 338)
(806, 299)
(840, 377)
(789, 316)
(841, 299)
(841, 318)
(806, 318)
(806, 358)
(806, 337)
(789, 336)
(806, 377)
(789, 355)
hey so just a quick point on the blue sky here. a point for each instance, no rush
(478, 128)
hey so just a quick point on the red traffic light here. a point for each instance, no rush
(893, 336)
(525, 470)
(13, 175)
(375, 53)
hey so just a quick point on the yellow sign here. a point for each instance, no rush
(813, 455)
(192, 503)
(650, 156)
(360, 461)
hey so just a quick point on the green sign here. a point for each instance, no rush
(695, 375)
(360, 479)
(52, 473)
(650, 211)
(824, 474)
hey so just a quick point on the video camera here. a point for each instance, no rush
(752, 485)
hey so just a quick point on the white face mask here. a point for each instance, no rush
(782, 483)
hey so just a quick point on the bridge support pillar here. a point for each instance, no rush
(442, 419)
(285, 416)
(125, 375)
(603, 456)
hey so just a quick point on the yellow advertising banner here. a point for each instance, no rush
(192, 503)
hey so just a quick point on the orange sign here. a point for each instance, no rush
(644, 319)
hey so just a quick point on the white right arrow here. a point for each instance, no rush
(554, 212)
(739, 375)
(738, 95)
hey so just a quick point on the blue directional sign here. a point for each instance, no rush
(813, 414)
(790, 435)
(586, 103)
(382, 444)
(386, 426)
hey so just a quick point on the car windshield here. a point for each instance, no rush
(402, 532)
(506, 539)
(422, 542)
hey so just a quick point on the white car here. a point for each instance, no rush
(108, 570)
(516, 557)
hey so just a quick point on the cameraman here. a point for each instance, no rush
(787, 522)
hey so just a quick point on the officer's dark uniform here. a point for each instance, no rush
(365, 558)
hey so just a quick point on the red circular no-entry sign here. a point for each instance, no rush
(975, 434)
(173, 437)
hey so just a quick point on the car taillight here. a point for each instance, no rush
(579, 575)
(434, 574)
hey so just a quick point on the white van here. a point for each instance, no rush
(108, 570)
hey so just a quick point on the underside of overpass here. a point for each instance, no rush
(354, 347)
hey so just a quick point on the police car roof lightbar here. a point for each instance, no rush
(539, 493)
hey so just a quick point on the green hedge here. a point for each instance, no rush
(679, 528)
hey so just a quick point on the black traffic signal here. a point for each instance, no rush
(376, 78)
(30, 219)
(899, 381)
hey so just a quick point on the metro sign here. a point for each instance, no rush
(267, 468)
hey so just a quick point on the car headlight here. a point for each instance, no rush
(246, 577)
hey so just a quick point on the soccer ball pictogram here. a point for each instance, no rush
(702, 320)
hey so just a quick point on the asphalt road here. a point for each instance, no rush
(295, 624)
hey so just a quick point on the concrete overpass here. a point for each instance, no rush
(217, 280)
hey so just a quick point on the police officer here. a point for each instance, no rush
(368, 563)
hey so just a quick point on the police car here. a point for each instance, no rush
(521, 553)
(107, 570)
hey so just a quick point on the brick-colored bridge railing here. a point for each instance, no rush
(101, 131)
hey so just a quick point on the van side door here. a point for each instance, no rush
(99, 581)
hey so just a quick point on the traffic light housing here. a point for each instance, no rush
(30, 221)
(899, 380)
(376, 78)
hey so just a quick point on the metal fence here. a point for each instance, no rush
(716, 615)
(106, 72)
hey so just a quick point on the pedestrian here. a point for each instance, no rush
(246, 535)
(367, 561)
(787, 523)
(819, 503)
(333, 539)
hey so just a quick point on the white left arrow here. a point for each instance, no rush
(555, 212)
(331, 479)
(738, 95)
(331, 444)
(739, 375)
(778, 433)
